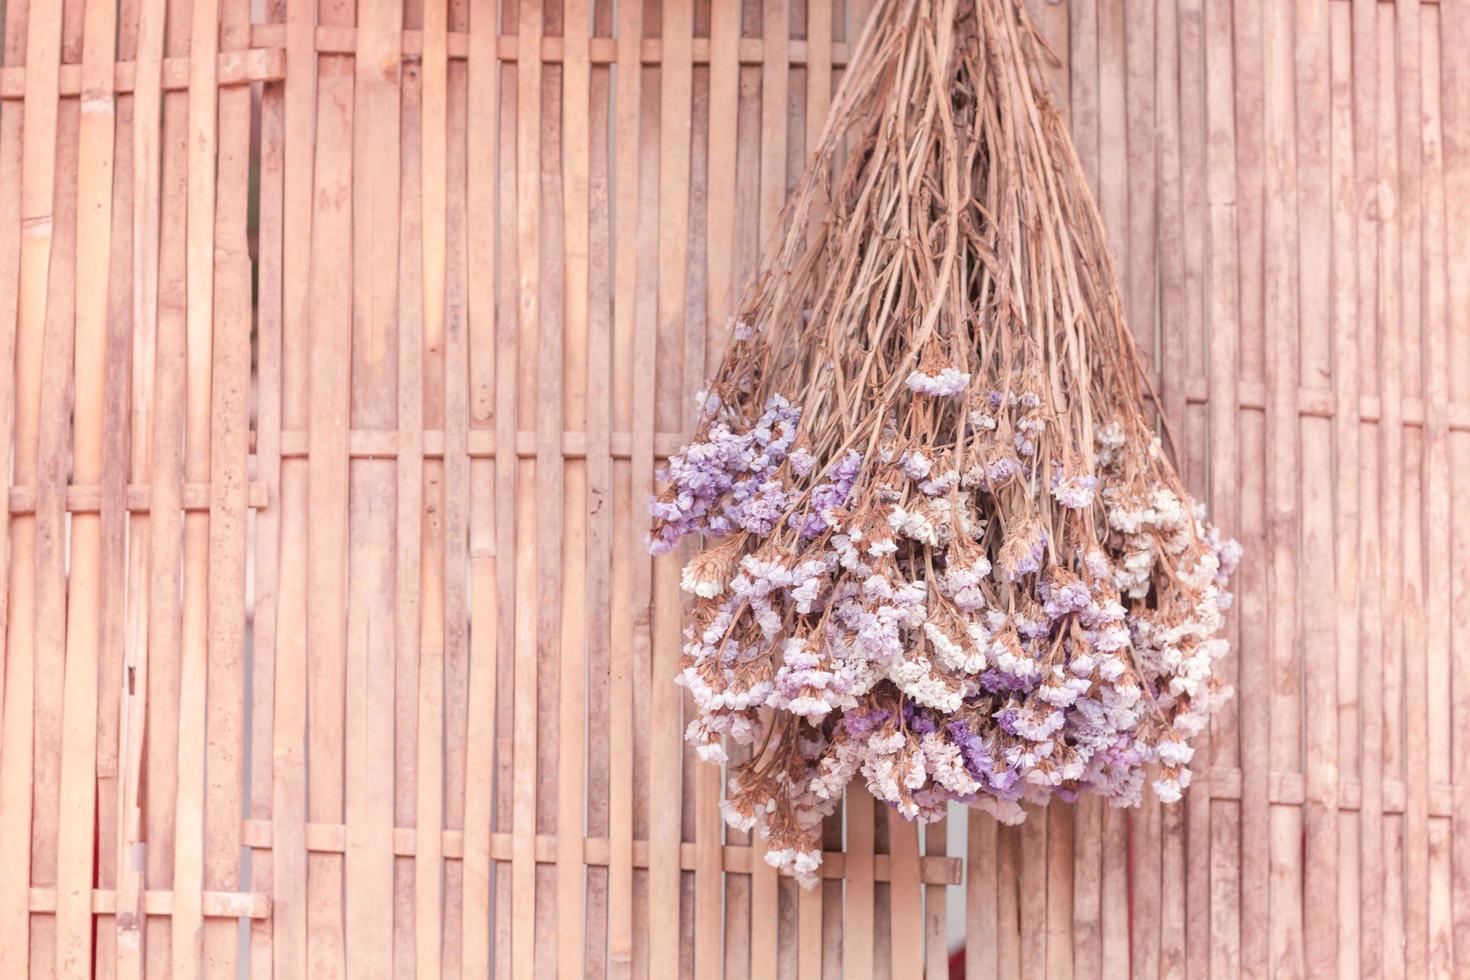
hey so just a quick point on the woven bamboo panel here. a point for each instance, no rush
(339, 342)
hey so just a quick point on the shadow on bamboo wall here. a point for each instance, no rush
(338, 344)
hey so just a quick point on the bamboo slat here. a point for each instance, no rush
(421, 361)
(289, 861)
(79, 734)
(327, 451)
(373, 507)
(576, 122)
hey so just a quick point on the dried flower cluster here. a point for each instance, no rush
(945, 551)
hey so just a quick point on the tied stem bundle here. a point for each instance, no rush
(945, 550)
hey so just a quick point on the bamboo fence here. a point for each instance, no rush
(338, 344)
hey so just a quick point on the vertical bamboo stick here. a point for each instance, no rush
(330, 406)
(724, 81)
(1435, 682)
(52, 520)
(1087, 813)
(482, 96)
(1176, 344)
(981, 923)
(1254, 663)
(84, 589)
(620, 899)
(936, 907)
(1318, 664)
(906, 908)
(193, 682)
(1282, 447)
(571, 761)
(38, 154)
(675, 77)
(454, 398)
(407, 622)
(165, 518)
(857, 912)
(600, 373)
(289, 861)
(528, 125)
(1030, 883)
(373, 504)
(1083, 85)
(549, 412)
(268, 544)
(505, 413)
(1414, 653)
(116, 469)
(144, 279)
(12, 49)
(429, 810)
(1368, 926)
(1224, 824)
(1388, 903)
(1060, 881)
(229, 434)
(1455, 30)
(774, 87)
(1346, 424)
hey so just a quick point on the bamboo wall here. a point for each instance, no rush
(342, 344)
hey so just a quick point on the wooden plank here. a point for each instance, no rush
(372, 503)
(79, 748)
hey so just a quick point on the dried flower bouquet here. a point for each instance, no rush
(944, 548)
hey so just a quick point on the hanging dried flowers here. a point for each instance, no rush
(945, 552)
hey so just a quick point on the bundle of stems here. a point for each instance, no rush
(944, 548)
